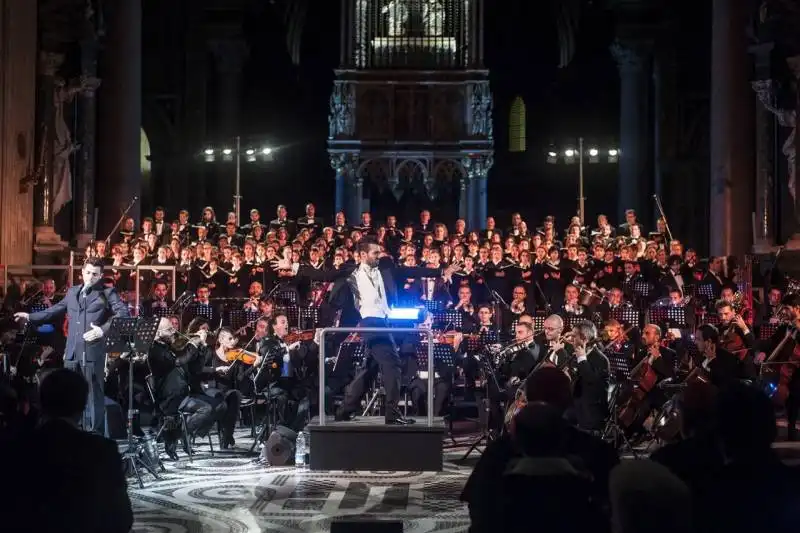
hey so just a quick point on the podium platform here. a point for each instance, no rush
(368, 444)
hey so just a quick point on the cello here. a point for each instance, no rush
(647, 379)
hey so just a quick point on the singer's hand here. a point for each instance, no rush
(760, 358)
(20, 317)
(284, 263)
(93, 334)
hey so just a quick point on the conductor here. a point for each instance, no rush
(89, 307)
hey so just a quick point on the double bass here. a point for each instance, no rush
(778, 374)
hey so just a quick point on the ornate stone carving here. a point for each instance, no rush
(360, 24)
(477, 166)
(786, 117)
(628, 57)
(481, 110)
(433, 17)
(341, 120)
(398, 17)
(467, 44)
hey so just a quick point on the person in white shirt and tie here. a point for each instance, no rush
(374, 289)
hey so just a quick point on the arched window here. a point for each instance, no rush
(144, 144)
(516, 125)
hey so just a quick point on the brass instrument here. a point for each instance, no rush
(32, 297)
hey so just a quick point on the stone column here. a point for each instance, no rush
(765, 150)
(46, 240)
(632, 61)
(463, 199)
(477, 167)
(87, 106)
(18, 155)
(356, 203)
(730, 228)
(338, 163)
(119, 124)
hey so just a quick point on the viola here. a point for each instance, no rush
(303, 335)
(237, 354)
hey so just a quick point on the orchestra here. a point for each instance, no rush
(503, 304)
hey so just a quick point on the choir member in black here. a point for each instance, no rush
(590, 371)
(552, 344)
(791, 313)
(626, 229)
(491, 229)
(768, 311)
(723, 366)
(231, 238)
(425, 226)
(552, 279)
(311, 221)
(365, 224)
(282, 221)
(255, 220)
(277, 368)
(715, 276)
(172, 386)
(238, 278)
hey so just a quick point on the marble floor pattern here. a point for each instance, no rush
(229, 493)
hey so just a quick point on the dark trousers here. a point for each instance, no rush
(381, 354)
(418, 389)
(793, 404)
(95, 413)
(226, 412)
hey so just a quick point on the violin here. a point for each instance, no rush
(303, 335)
(238, 354)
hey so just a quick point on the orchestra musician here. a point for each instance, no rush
(722, 366)
(443, 376)
(172, 390)
(735, 335)
(524, 354)
(552, 344)
(590, 369)
(789, 385)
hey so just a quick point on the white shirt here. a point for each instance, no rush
(371, 293)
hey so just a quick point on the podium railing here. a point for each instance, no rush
(424, 331)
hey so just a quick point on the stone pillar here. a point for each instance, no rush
(87, 107)
(119, 124)
(765, 150)
(632, 61)
(18, 156)
(477, 167)
(730, 228)
(46, 241)
(356, 203)
(463, 199)
(338, 163)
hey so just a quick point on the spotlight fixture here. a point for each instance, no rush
(613, 155)
(266, 150)
(250, 151)
(227, 151)
(593, 155)
(552, 157)
(209, 151)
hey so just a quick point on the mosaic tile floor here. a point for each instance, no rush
(229, 493)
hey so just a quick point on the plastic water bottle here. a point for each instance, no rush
(285, 368)
(300, 450)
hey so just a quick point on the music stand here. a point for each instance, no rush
(627, 315)
(136, 336)
(676, 315)
(449, 319)
(308, 317)
(620, 367)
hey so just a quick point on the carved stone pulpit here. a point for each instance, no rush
(411, 108)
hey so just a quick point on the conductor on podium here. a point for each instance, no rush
(89, 307)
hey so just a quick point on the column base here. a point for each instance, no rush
(793, 243)
(47, 241)
(764, 248)
(83, 239)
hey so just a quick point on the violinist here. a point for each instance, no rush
(736, 336)
(277, 372)
(723, 366)
(651, 364)
(229, 378)
(552, 345)
(617, 339)
(789, 384)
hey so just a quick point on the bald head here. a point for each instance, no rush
(553, 326)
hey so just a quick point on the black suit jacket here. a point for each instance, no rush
(64, 480)
(341, 295)
(591, 390)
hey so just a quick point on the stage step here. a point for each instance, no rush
(368, 444)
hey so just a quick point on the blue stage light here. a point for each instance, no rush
(404, 313)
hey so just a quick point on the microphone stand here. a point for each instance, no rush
(119, 222)
(661, 212)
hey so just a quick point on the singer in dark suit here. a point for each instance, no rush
(372, 288)
(89, 307)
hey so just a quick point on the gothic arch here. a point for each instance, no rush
(516, 124)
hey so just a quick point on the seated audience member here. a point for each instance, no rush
(746, 429)
(482, 490)
(65, 479)
(647, 498)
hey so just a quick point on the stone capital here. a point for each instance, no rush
(478, 166)
(231, 54)
(49, 63)
(628, 56)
